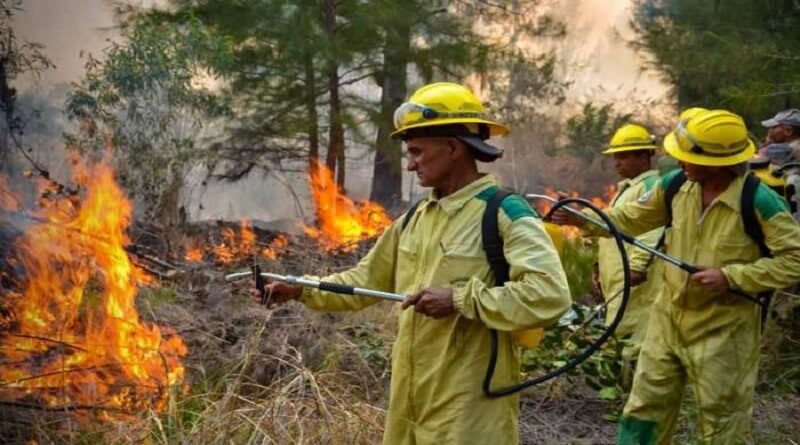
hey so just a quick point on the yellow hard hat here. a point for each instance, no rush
(691, 112)
(631, 137)
(761, 168)
(444, 103)
(713, 138)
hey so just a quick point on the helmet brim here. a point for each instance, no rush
(495, 129)
(613, 150)
(483, 152)
(672, 148)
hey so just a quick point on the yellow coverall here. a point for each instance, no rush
(438, 365)
(634, 322)
(710, 340)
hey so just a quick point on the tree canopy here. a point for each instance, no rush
(735, 54)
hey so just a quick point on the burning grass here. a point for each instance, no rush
(72, 338)
(289, 375)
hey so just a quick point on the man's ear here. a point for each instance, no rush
(457, 149)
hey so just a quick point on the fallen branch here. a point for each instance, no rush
(71, 407)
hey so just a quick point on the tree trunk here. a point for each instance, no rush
(311, 110)
(387, 172)
(6, 114)
(336, 132)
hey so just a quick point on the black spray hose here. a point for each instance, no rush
(591, 349)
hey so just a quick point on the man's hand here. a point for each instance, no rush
(712, 279)
(433, 302)
(563, 217)
(277, 292)
(638, 277)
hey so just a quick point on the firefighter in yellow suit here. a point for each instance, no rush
(441, 352)
(699, 332)
(632, 148)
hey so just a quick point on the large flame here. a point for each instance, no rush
(71, 335)
(342, 222)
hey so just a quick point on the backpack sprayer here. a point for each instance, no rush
(632, 240)
(486, 386)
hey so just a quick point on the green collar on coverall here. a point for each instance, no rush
(648, 177)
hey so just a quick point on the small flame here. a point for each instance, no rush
(74, 336)
(342, 222)
(194, 255)
(275, 248)
(238, 247)
(570, 232)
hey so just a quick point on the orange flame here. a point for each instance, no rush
(275, 247)
(239, 247)
(342, 222)
(570, 232)
(74, 336)
(194, 255)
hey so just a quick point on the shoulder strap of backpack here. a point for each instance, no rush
(492, 242)
(669, 194)
(754, 230)
(409, 214)
(751, 225)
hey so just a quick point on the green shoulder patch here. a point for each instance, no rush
(768, 203)
(649, 182)
(667, 179)
(514, 206)
(487, 193)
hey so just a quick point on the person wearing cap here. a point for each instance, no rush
(632, 147)
(435, 256)
(784, 127)
(699, 331)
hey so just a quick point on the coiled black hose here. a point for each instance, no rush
(591, 349)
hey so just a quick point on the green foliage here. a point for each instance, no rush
(578, 257)
(591, 130)
(374, 348)
(17, 57)
(736, 54)
(153, 297)
(141, 99)
(561, 344)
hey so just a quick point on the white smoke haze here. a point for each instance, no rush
(595, 59)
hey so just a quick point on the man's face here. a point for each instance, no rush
(781, 133)
(698, 173)
(431, 158)
(630, 164)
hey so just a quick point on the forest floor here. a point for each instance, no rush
(290, 375)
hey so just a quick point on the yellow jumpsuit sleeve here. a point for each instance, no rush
(782, 236)
(374, 271)
(639, 216)
(640, 259)
(537, 294)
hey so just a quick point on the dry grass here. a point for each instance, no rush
(291, 376)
